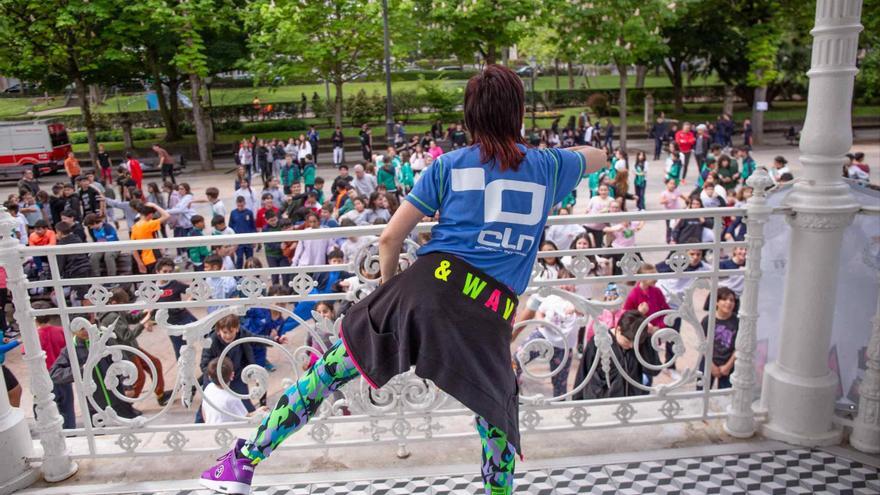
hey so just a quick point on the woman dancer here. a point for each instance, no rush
(395, 327)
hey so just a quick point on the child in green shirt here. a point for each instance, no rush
(641, 179)
(748, 164)
(319, 188)
(385, 174)
(309, 172)
(197, 254)
(405, 174)
(673, 164)
(290, 173)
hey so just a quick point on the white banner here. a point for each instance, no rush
(856, 301)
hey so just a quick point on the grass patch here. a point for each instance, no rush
(15, 107)
(10, 107)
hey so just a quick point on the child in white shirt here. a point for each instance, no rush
(220, 405)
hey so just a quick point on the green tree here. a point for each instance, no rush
(465, 27)
(767, 35)
(685, 38)
(869, 40)
(621, 33)
(542, 44)
(158, 42)
(334, 40)
(761, 49)
(196, 26)
(57, 43)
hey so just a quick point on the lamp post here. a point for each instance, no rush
(532, 66)
(389, 115)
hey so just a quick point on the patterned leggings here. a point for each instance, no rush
(301, 401)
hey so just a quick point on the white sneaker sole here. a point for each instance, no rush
(230, 487)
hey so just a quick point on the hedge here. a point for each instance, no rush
(137, 134)
(362, 107)
(578, 97)
(415, 75)
(275, 125)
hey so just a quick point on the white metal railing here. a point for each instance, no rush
(408, 408)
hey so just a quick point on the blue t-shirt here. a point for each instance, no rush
(493, 219)
(242, 221)
(105, 233)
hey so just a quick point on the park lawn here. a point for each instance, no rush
(239, 96)
(13, 107)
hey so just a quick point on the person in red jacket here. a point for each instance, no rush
(685, 140)
(137, 173)
(52, 343)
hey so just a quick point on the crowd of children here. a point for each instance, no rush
(292, 196)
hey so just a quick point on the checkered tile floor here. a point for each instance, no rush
(787, 471)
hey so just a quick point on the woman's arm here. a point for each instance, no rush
(391, 240)
(594, 157)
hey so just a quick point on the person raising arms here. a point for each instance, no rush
(465, 282)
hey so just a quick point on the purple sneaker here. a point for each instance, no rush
(232, 474)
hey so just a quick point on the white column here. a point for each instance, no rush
(799, 390)
(56, 465)
(741, 417)
(15, 443)
(15, 439)
(866, 430)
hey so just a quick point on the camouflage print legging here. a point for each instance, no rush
(300, 402)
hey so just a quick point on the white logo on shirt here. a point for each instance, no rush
(474, 179)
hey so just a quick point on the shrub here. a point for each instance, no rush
(442, 102)
(406, 103)
(137, 134)
(598, 103)
(231, 126)
(186, 128)
(358, 108)
(275, 126)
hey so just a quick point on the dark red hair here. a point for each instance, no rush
(494, 105)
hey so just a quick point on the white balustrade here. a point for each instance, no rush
(405, 410)
(741, 416)
(56, 463)
(408, 408)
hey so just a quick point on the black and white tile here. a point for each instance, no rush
(784, 471)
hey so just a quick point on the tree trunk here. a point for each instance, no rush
(677, 88)
(622, 105)
(127, 142)
(727, 107)
(758, 116)
(94, 94)
(672, 67)
(88, 121)
(171, 131)
(641, 72)
(174, 103)
(337, 113)
(203, 138)
(556, 71)
(505, 56)
(570, 76)
(491, 54)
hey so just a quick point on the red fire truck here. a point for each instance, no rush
(39, 145)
